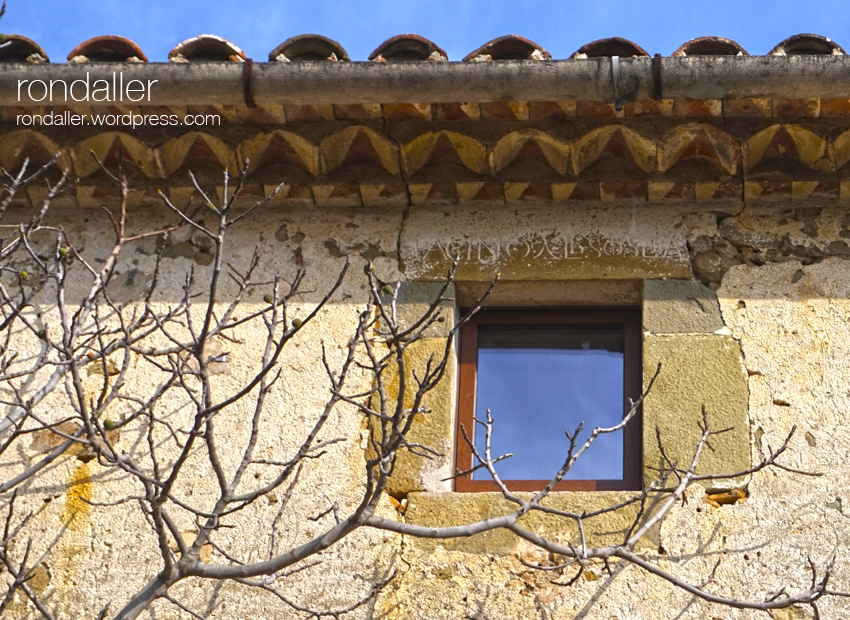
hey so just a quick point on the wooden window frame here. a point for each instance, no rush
(628, 318)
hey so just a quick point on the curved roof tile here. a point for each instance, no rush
(613, 46)
(710, 46)
(22, 49)
(107, 48)
(206, 47)
(509, 47)
(407, 47)
(308, 47)
(801, 44)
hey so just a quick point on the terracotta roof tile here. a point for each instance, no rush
(408, 47)
(308, 47)
(404, 47)
(107, 48)
(509, 47)
(710, 46)
(801, 44)
(22, 49)
(206, 47)
(614, 46)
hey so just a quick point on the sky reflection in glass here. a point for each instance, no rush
(538, 383)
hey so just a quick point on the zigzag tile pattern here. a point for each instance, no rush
(374, 163)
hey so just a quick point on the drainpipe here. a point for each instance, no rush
(223, 83)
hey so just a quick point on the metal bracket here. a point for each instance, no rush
(248, 82)
(656, 77)
(615, 80)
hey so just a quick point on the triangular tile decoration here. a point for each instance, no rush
(279, 156)
(721, 191)
(279, 153)
(358, 154)
(17, 146)
(480, 191)
(538, 110)
(337, 195)
(388, 195)
(528, 192)
(432, 193)
(597, 109)
(357, 111)
(658, 190)
(295, 113)
(835, 108)
(697, 107)
(788, 108)
(494, 192)
(30, 147)
(623, 190)
(649, 107)
(677, 191)
(116, 155)
(746, 107)
(81, 110)
(199, 152)
(445, 154)
(700, 146)
(443, 151)
(585, 190)
(698, 150)
(225, 112)
(788, 144)
(505, 110)
(456, 111)
(278, 150)
(291, 194)
(11, 114)
(361, 152)
(781, 146)
(767, 191)
(806, 191)
(618, 143)
(38, 194)
(413, 111)
(164, 110)
(537, 191)
(514, 191)
(531, 150)
(262, 115)
(618, 147)
(114, 148)
(442, 192)
(418, 192)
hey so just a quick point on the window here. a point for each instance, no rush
(541, 373)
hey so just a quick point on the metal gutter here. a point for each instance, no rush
(222, 83)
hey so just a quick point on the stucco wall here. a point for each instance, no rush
(772, 354)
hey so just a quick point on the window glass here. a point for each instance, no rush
(539, 382)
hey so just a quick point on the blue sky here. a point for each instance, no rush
(458, 26)
(534, 395)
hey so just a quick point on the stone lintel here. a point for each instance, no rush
(620, 243)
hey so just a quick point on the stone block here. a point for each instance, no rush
(680, 307)
(543, 243)
(696, 371)
(434, 430)
(446, 509)
(414, 299)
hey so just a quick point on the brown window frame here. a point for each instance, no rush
(629, 318)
